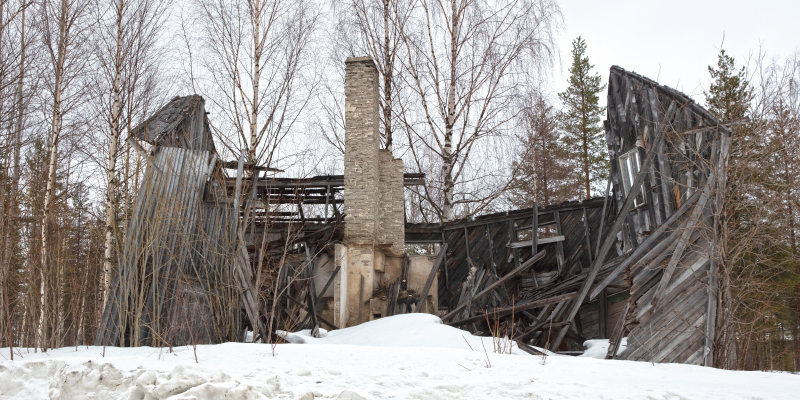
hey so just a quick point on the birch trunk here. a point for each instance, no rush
(447, 154)
(258, 44)
(113, 149)
(55, 131)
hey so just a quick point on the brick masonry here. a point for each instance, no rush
(374, 201)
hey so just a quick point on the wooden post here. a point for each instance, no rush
(535, 231)
(602, 313)
(588, 235)
(560, 244)
(360, 298)
(424, 294)
(602, 218)
(512, 237)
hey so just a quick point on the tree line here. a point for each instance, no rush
(461, 100)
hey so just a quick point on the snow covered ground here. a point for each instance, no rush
(401, 357)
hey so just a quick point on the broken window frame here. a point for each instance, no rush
(629, 165)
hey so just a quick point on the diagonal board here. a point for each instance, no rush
(612, 235)
(424, 295)
(682, 242)
(645, 246)
(506, 278)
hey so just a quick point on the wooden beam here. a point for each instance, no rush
(304, 307)
(528, 349)
(602, 218)
(529, 243)
(559, 245)
(616, 336)
(424, 294)
(512, 237)
(588, 235)
(495, 285)
(535, 230)
(611, 237)
(517, 308)
(645, 246)
(682, 242)
(327, 284)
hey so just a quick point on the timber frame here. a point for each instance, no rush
(638, 263)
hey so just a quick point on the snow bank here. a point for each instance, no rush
(401, 357)
(405, 330)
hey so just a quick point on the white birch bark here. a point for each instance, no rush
(113, 149)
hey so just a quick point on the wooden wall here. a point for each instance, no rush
(174, 282)
(672, 302)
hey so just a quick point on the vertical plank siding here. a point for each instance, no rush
(174, 282)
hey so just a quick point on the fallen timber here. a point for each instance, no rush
(637, 263)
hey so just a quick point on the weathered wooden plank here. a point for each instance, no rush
(676, 256)
(327, 284)
(529, 243)
(495, 285)
(644, 246)
(436, 264)
(535, 230)
(517, 308)
(588, 235)
(528, 349)
(559, 244)
(304, 307)
(619, 332)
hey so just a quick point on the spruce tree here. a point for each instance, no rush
(728, 95)
(580, 119)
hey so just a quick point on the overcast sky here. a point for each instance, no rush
(674, 41)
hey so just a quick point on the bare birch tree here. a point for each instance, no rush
(465, 62)
(127, 56)
(16, 57)
(65, 28)
(258, 56)
(375, 28)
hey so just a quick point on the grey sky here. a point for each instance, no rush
(674, 41)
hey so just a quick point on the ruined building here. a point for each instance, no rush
(217, 247)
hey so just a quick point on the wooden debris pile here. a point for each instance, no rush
(637, 263)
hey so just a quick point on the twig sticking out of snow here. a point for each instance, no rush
(465, 339)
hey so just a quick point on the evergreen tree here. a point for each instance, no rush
(544, 167)
(728, 96)
(580, 119)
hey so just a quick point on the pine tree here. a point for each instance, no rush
(728, 95)
(580, 119)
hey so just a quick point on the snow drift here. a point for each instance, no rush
(401, 357)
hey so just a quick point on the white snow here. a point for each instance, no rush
(402, 357)
(598, 348)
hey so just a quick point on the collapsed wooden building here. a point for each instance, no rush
(215, 248)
